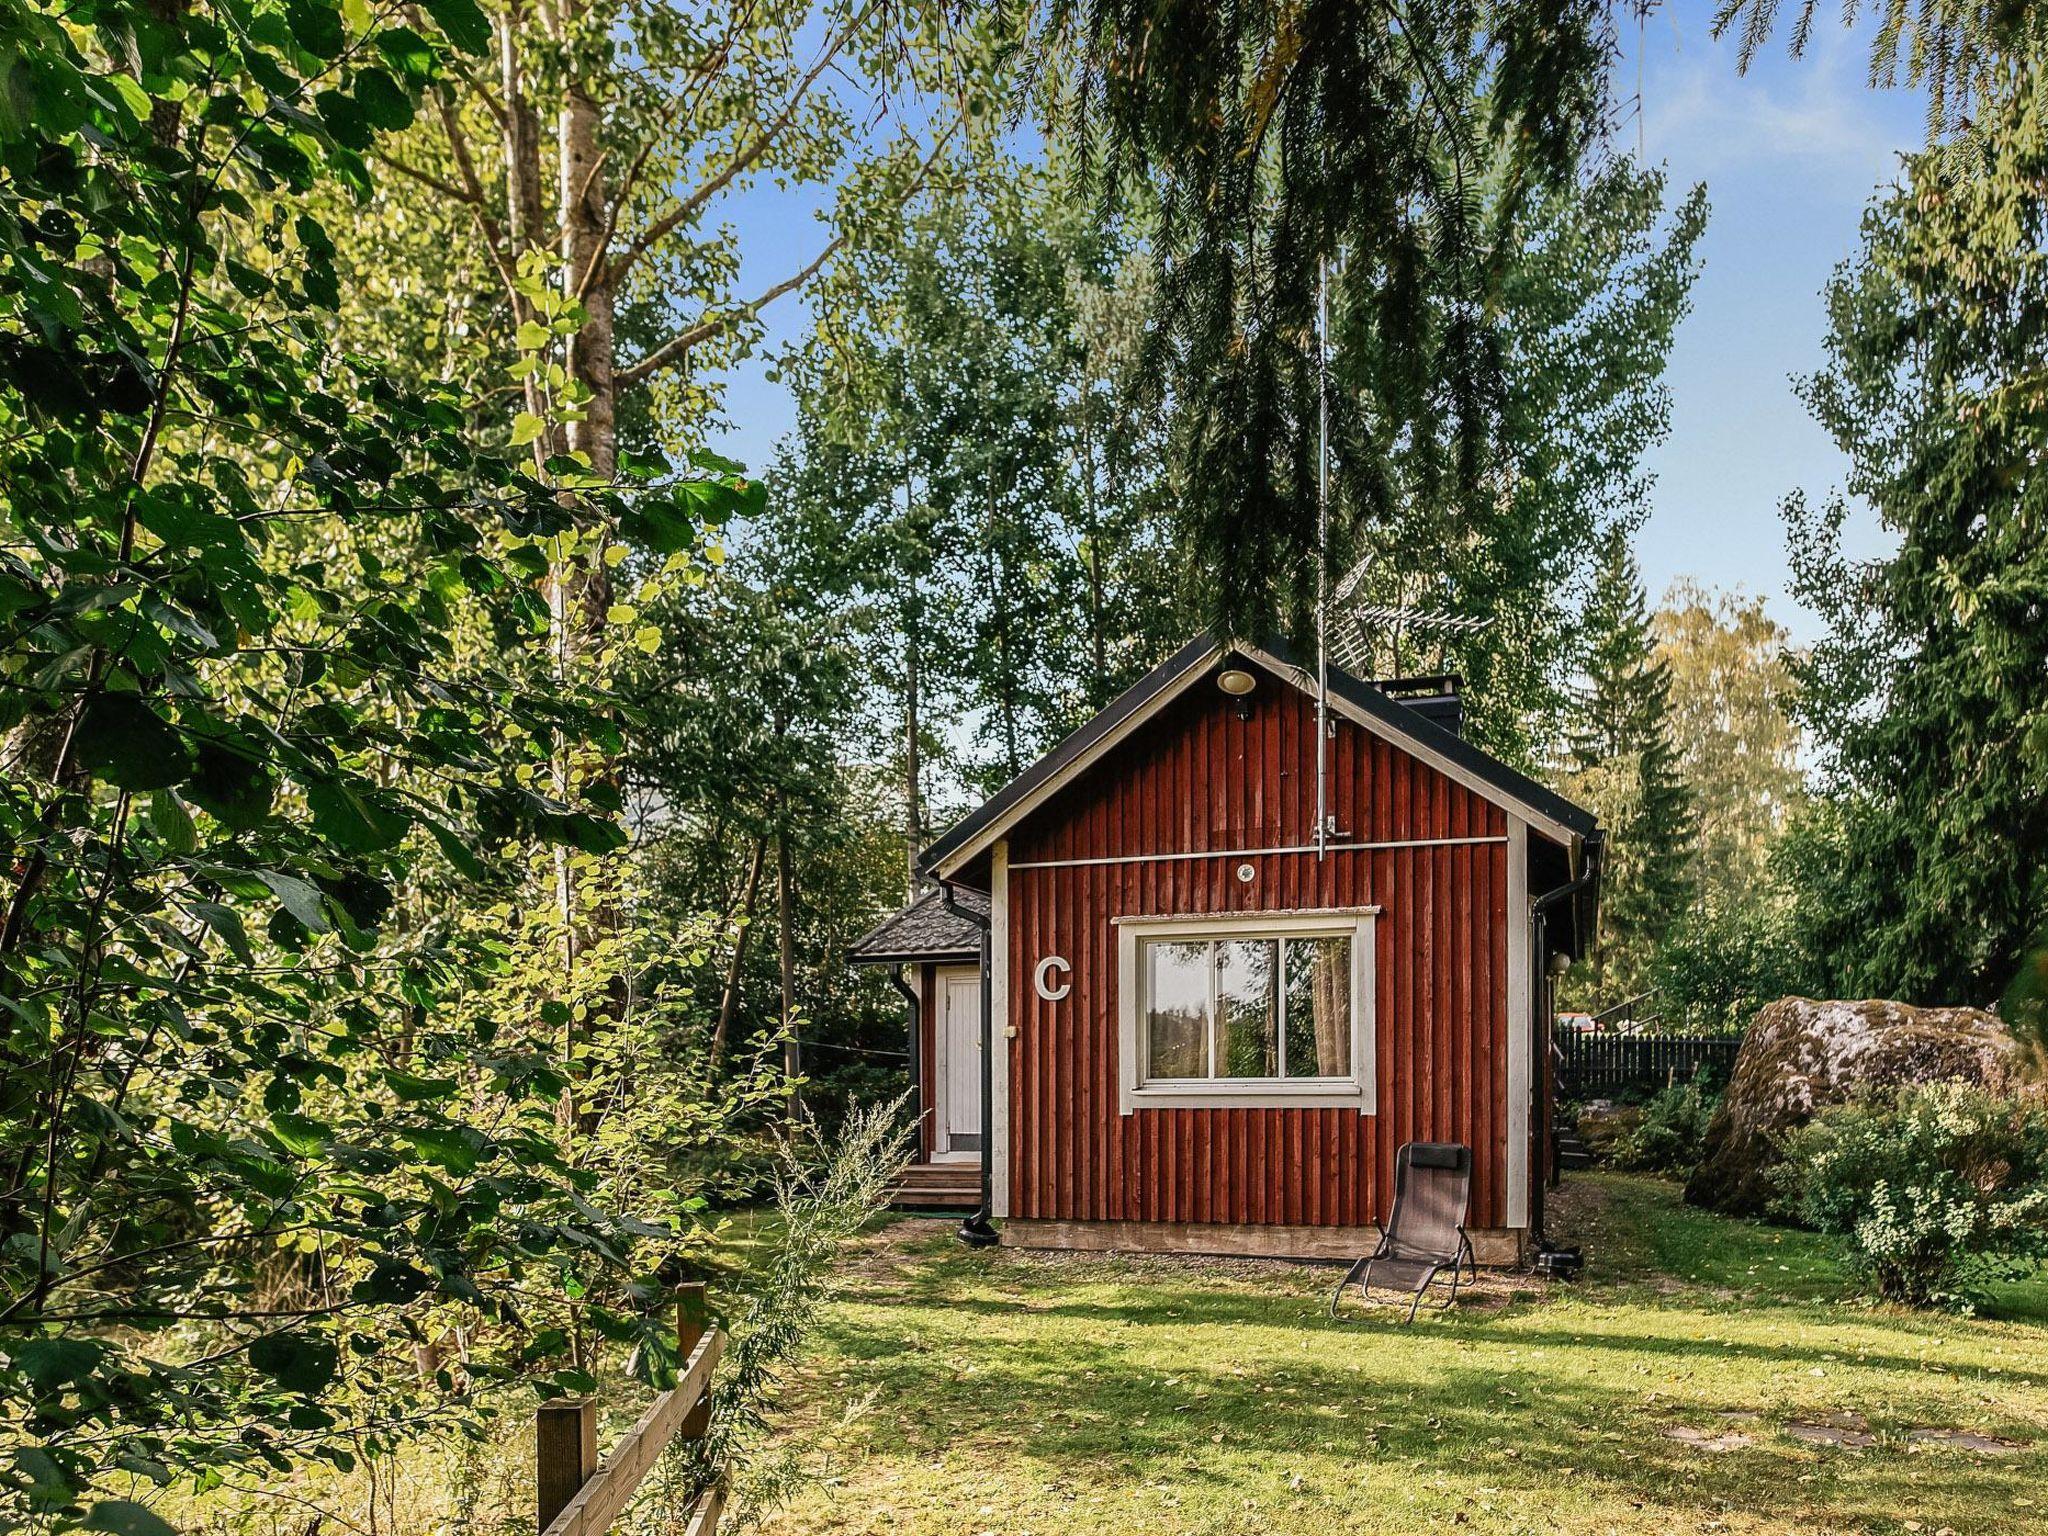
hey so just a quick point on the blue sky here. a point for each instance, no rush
(1791, 154)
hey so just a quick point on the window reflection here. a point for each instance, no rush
(1318, 1007)
(1177, 1009)
(1248, 1008)
(1264, 1008)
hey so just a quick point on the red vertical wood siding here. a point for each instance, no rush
(1193, 779)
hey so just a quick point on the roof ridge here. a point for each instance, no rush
(1450, 752)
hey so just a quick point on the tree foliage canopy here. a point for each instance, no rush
(1286, 137)
(272, 635)
(1929, 695)
(1594, 278)
(1734, 729)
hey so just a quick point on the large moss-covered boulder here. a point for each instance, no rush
(1802, 1054)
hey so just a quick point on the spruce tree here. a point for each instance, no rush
(1920, 872)
(1595, 278)
(1283, 140)
(1622, 760)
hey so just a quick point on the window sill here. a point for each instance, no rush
(1246, 1095)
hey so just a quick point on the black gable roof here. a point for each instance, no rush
(1190, 661)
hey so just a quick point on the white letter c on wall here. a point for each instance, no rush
(1043, 978)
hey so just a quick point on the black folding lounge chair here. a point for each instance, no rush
(1426, 1234)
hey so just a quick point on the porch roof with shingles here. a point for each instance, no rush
(924, 931)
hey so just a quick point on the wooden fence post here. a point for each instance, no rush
(564, 1453)
(691, 1314)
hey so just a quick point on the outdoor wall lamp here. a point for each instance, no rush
(1239, 685)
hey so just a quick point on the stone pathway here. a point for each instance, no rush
(1699, 1439)
(1847, 1430)
(1963, 1440)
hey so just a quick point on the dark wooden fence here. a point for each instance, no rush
(1592, 1066)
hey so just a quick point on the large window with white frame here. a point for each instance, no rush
(1272, 1008)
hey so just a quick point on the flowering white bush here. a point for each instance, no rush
(1940, 1188)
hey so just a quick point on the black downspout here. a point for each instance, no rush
(1540, 1025)
(976, 1231)
(915, 1006)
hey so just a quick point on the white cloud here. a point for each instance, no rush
(1812, 115)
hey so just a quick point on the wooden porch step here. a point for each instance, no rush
(1572, 1153)
(938, 1187)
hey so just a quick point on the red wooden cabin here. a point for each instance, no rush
(1210, 1028)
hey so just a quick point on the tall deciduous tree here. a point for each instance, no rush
(970, 467)
(1734, 690)
(1624, 764)
(1737, 742)
(271, 629)
(587, 165)
(1928, 697)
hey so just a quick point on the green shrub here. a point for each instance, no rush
(1670, 1131)
(1724, 960)
(1940, 1188)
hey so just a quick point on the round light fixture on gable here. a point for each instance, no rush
(1239, 684)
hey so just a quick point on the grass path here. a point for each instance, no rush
(964, 1392)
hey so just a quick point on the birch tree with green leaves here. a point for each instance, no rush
(579, 175)
(274, 641)
(973, 473)
(1733, 693)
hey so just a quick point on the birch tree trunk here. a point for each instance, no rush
(1098, 682)
(1006, 674)
(785, 906)
(581, 207)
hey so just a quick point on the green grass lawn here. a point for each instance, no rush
(956, 1391)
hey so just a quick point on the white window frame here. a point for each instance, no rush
(1355, 1091)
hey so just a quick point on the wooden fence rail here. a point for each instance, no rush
(1599, 1064)
(574, 1495)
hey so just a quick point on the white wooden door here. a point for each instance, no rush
(959, 1065)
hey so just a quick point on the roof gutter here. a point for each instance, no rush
(1542, 1021)
(976, 1230)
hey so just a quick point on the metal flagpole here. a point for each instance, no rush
(1322, 555)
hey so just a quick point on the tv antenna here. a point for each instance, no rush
(1359, 624)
